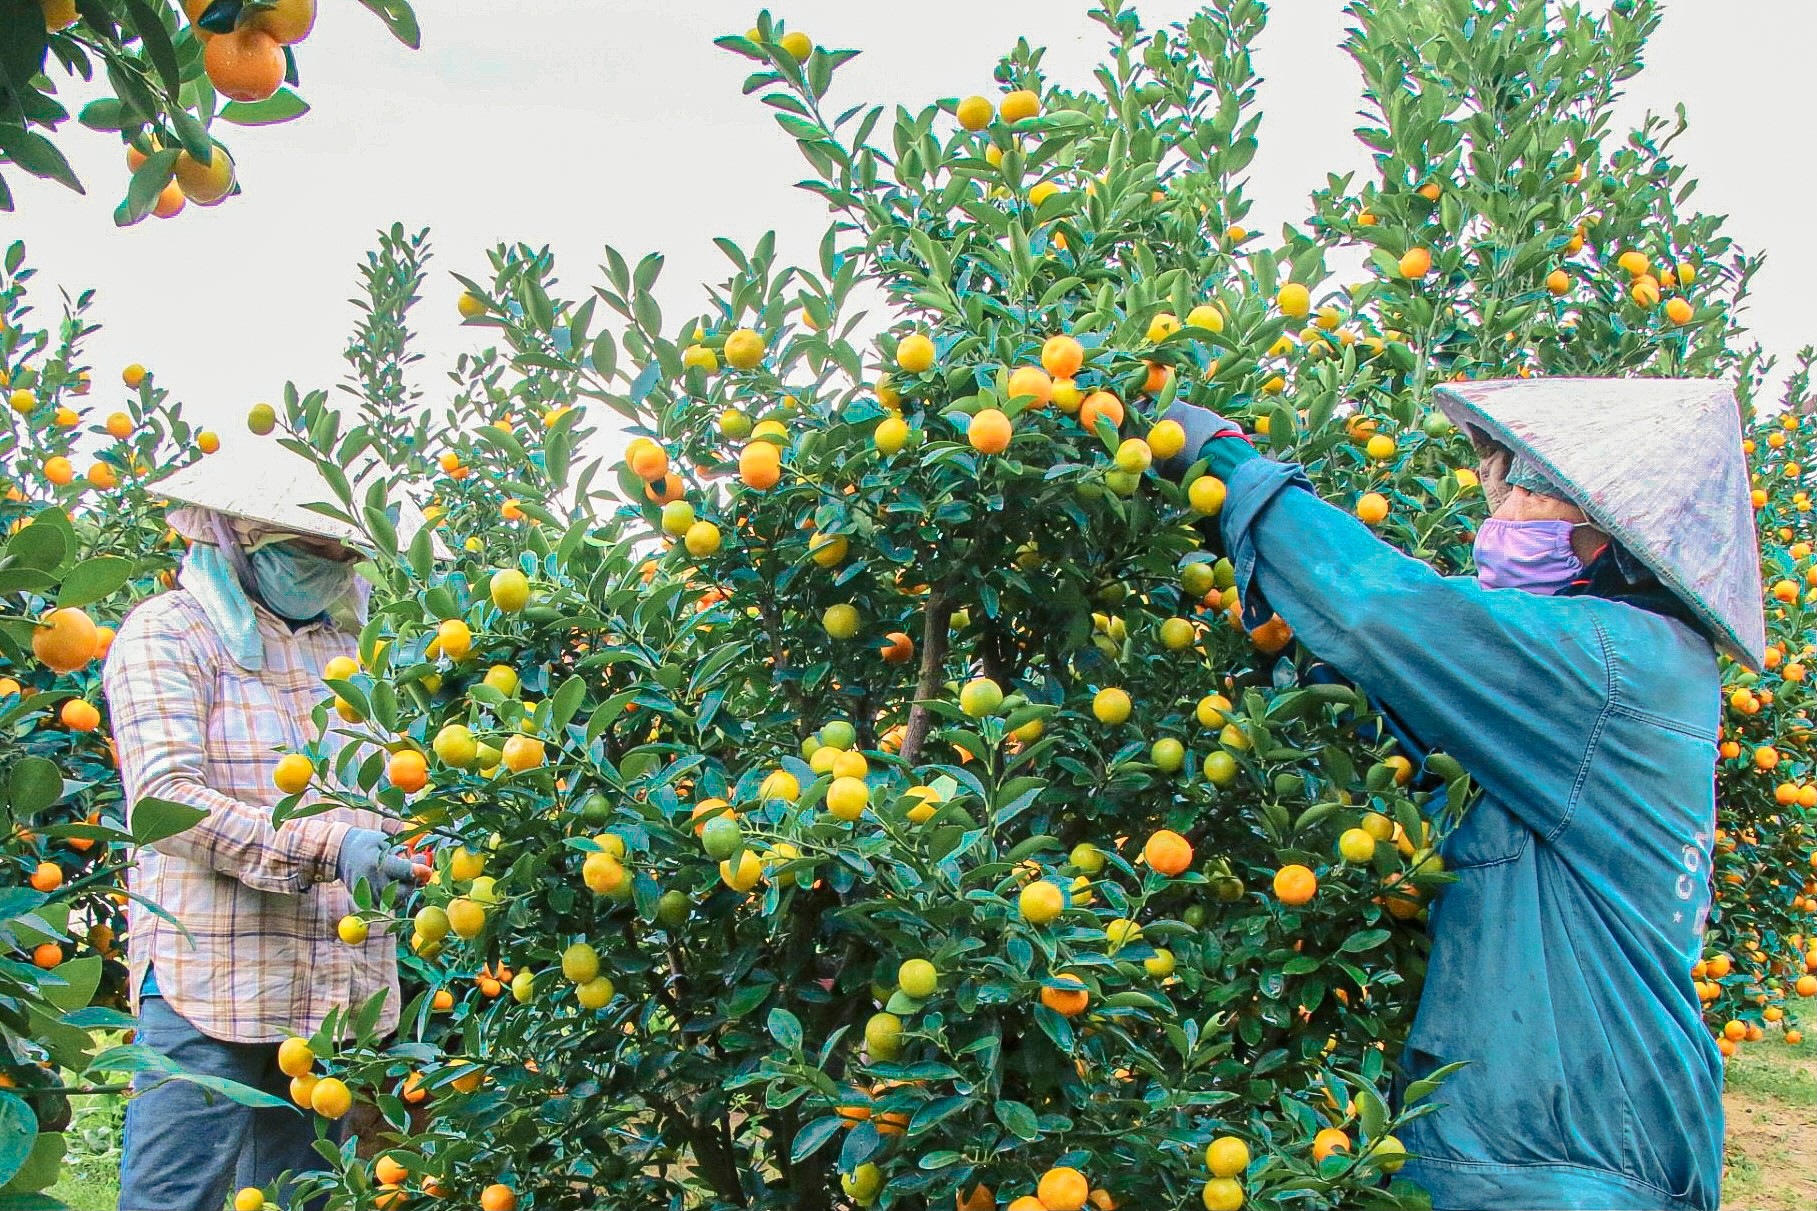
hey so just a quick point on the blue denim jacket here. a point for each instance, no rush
(1560, 965)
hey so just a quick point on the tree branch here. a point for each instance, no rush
(714, 1157)
(779, 659)
(933, 663)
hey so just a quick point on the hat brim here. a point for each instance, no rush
(272, 486)
(1646, 460)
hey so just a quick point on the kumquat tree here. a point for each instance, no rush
(864, 793)
(1761, 955)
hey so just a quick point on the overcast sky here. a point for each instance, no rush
(578, 123)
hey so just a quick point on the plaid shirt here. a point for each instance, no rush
(262, 960)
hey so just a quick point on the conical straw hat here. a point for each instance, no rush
(267, 483)
(1655, 462)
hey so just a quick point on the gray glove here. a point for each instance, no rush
(366, 853)
(1202, 425)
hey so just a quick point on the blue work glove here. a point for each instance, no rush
(1208, 436)
(366, 853)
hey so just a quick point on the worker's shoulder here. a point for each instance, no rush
(1652, 666)
(169, 614)
(1631, 627)
(1546, 629)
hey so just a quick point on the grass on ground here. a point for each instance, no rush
(86, 1192)
(1771, 1103)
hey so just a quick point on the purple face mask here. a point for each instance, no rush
(1532, 555)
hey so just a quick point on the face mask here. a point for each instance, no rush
(1532, 555)
(298, 584)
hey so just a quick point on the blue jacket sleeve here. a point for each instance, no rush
(1509, 683)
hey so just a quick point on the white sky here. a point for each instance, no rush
(577, 123)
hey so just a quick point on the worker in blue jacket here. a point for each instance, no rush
(1576, 678)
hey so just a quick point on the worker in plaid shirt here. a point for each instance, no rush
(206, 684)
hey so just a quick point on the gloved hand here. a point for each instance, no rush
(366, 853)
(1203, 429)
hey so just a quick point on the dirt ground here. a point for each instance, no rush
(1771, 1105)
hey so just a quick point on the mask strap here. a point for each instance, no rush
(236, 558)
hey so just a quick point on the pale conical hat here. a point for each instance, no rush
(1656, 463)
(264, 482)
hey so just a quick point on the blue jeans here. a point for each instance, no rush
(187, 1149)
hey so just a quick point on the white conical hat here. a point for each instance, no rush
(1655, 462)
(264, 482)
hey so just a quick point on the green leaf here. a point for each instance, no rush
(1017, 1119)
(367, 1019)
(99, 1017)
(1368, 939)
(422, 553)
(605, 355)
(104, 114)
(33, 917)
(1423, 1088)
(1371, 1112)
(80, 979)
(67, 1046)
(384, 534)
(37, 155)
(233, 1091)
(747, 998)
(813, 1137)
(1055, 1027)
(41, 545)
(931, 1113)
(151, 820)
(566, 702)
(352, 694)
(1134, 999)
(25, 580)
(40, 1172)
(94, 578)
(156, 40)
(606, 712)
(194, 136)
(785, 1028)
(281, 106)
(399, 19)
(128, 1058)
(148, 181)
(440, 603)
(18, 1132)
(23, 41)
(33, 785)
(861, 1143)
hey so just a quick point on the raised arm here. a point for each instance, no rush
(158, 695)
(1478, 673)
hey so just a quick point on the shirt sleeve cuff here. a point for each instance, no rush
(1223, 455)
(317, 846)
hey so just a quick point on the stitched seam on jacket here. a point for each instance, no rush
(1665, 721)
(1526, 835)
(1596, 731)
(1625, 1179)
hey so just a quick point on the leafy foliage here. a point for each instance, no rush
(713, 748)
